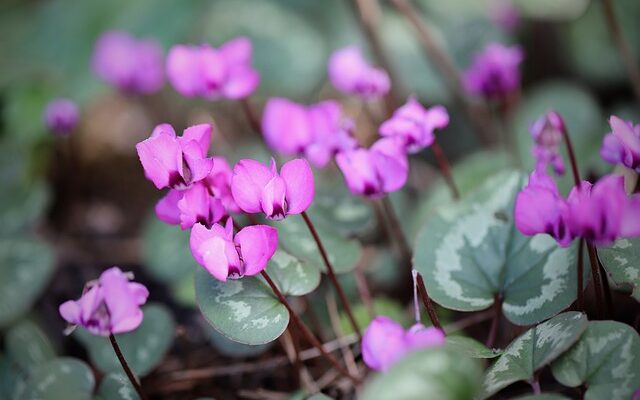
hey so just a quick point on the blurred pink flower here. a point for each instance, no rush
(547, 132)
(504, 14)
(129, 64)
(415, 124)
(373, 172)
(318, 131)
(622, 144)
(176, 161)
(227, 256)
(61, 116)
(257, 188)
(203, 71)
(385, 342)
(350, 74)
(494, 72)
(108, 306)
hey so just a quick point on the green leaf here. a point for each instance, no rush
(244, 310)
(165, 251)
(434, 373)
(622, 263)
(544, 396)
(12, 381)
(471, 347)
(293, 276)
(28, 346)
(143, 348)
(533, 350)
(116, 386)
(606, 360)
(470, 252)
(61, 378)
(21, 206)
(295, 238)
(552, 9)
(26, 267)
(230, 348)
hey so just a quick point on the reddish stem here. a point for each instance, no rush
(332, 275)
(125, 367)
(428, 304)
(580, 269)
(593, 261)
(495, 322)
(445, 169)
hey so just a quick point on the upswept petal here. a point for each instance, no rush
(249, 179)
(257, 244)
(298, 179)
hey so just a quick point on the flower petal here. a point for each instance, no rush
(167, 209)
(383, 343)
(249, 179)
(286, 126)
(201, 134)
(161, 158)
(257, 245)
(298, 179)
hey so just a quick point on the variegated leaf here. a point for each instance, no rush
(622, 263)
(61, 378)
(471, 347)
(28, 346)
(533, 350)
(606, 359)
(470, 252)
(116, 386)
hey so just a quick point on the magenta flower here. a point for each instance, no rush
(109, 305)
(61, 116)
(541, 209)
(202, 71)
(494, 72)
(415, 124)
(547, 132)
(622, 145)
(129, 64)
(257, 188)
(219, 183)
(372, 172)
(385, 342)
(318, 131)
(226, 256)
(176, 161)
(350, 74)
(603, 212)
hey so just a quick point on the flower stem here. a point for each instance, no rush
(572, 157)
(125, 367)
(476, 115)
(332, 275)
(608, 300)
(535, 384)
(445, 169)
(623, 47)
(426, 300)
(593, 261)
(305, 331)
(580, 269)
(497, 314)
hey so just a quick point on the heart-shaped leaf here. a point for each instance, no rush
(244, 310)
(28, 346)
(293, 276)
(143, 348)
(622, 263)
(230, 348)
(533, 350)
(434, 373)
(470, 252)
(471, 347)
(295, 238)
(25, 269)
(61, 378)
(606, 360)
(116, 386)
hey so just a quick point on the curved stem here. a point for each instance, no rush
(580, 269)
(332, 275)
(125, 367)
(608, 299)
(445, 169)
(593, 261)
(428, 304)
(305, 331)
(572, 157)
(630, 64)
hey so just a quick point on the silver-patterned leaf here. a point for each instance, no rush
(471, 347)
(143, 348)
(61, 378)
(244, 310)
(28, 346)
(470, 252)
(533, 350)
(606, 360)
(116, 386)
(622, 263)
(293, 276)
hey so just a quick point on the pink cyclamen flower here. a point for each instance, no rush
(415, 124)
(227, 256)
(203, 71)
(318, 131)
(603, 212)
(504, 14)
(350, 73)
(622, 144)
(109, 305)
(176, 161)
(385, 342)
(372, 172)
(547, 132)
(494, 72)
(540, 208)
(129, 64)
(257, 188)
(61, 116)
